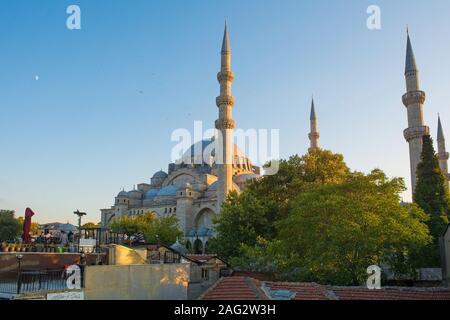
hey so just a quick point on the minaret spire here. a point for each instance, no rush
(410, 64)
(413, 100)
(225, 123)
(443, 155)
(440, 134)
(314, 134)
(226, 48)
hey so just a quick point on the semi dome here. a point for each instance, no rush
(214, 186)
(151, 193)
(167, 191)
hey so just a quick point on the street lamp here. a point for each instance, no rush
(79, 214)
(19, 258)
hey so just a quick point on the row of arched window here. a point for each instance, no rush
(170, 210)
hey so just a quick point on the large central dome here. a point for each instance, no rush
(204, 152)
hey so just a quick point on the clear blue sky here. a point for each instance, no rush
(75, 137)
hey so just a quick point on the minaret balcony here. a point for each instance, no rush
(314, 136)
(416, 133)
(413, 97)
(225, 76)
(443, 156)
(225, 101)
(222, 124)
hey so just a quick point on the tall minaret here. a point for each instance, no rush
(314, 134)
(443, 155)
(225, 124)
(413, 100)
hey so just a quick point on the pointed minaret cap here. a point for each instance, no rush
(313, 111)
(440, 134)
(410, 64)
(226, 48)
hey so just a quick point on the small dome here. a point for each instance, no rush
(160, 174)
(177, 246)
(123, 193)
(168, 191)
(151, 193)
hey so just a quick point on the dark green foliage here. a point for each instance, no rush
(431, 194)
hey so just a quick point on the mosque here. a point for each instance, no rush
(196, 185)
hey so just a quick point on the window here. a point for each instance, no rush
(205, 273)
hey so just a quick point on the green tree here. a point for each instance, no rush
(296, 174)
(252, 214)
(432, 195)
(163, 231)
(10, 227)
(335, 231)
(34, 229)
(132, 225)
(90, 225)
(242, 220)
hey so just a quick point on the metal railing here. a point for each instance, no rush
(23, 282)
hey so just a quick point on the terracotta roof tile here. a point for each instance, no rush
(349, 293)
(247, 288)
(235, 288)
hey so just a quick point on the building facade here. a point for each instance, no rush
(195, 186)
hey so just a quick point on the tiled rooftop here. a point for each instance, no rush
(247, 288)
(235, 288)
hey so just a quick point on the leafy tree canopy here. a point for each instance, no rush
(10, 227)
(90, 225)
(318, 221)
(253, 213)
(334, 232)
(162, 230)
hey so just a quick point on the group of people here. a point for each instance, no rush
(62, 238)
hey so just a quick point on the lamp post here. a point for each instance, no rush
(79, 214)
(19, 258)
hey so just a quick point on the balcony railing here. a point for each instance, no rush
(25, 282)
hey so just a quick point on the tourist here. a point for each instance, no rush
(63, 238)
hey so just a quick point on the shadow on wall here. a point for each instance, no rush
(137, 282)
